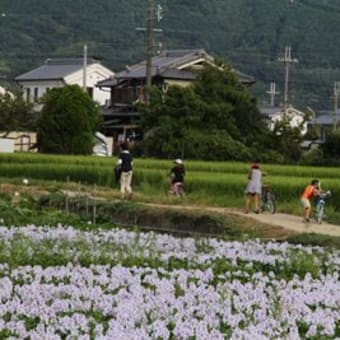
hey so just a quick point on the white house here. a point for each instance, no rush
(66, 71)
(295, 117)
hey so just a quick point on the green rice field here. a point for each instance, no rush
(221, 183)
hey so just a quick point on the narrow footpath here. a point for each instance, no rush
(287, 221)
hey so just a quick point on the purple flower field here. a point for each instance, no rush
(63, 283)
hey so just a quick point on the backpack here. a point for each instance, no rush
(117, 171)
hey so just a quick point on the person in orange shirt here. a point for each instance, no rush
(311, 190)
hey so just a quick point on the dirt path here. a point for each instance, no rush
(290, 222)
(286, 221)
(295, 223)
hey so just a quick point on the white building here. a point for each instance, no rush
(295, 117)
(60, 72)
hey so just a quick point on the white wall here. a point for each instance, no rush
(6, 145)
(95, 73)
(41, 85)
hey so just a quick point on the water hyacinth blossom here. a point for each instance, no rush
(116, 284)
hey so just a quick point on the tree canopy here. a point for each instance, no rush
(214, 118)
(252, 35)
(68, 121)
(15, 113)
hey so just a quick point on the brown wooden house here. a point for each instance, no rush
(172, 67)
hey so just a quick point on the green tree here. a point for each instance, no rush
(227, 104)
(287, 139)
(331, 147)
(215, 118)
(15, 114)
(69, 119)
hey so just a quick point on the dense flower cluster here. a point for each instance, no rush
(251, 299)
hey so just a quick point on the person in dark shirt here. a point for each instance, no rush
(177, 174)
(125, 162)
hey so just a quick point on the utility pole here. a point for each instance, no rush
(287, 60)
(149, 40)
(149, 49)
(336, 98)
(85, 68)
(272, 92)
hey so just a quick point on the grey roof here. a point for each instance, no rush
(326, 119)
(166, 65)
(168, 59)
(55, 69)
(270, 110)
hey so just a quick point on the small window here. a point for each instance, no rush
(90, 91)
(47, 89)
(28, 94)
(36, 93)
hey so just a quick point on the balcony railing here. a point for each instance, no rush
(127, 95)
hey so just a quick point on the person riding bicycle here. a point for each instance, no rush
(311, 190)
(176, 175)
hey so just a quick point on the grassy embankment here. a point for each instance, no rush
(207, 183)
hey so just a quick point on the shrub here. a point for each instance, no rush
(69, 119)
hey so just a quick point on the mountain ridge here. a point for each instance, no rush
(252, 35)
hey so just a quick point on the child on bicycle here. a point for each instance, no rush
(176, 175)
(311, 190)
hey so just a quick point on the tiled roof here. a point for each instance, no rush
(326, 119)
(55, 69)
(167, 65)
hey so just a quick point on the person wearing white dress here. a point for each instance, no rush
(254, 187)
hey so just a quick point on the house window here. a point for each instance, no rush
(47, 89)
(90, 91)
(36, 93)
(28, 94)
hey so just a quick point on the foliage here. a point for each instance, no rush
(313, 157)
(252, 35)
(69, 119)
(215, 118)
(226, 104)
(214, 145)
(15, 113)
(312, 239)
(287, 139)
(210, 183)
(331, 147)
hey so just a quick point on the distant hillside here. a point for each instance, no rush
(250, 34)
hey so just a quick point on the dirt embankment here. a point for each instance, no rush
(288, 222)
(204, 219)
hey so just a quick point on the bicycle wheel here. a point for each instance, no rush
(319, 214)
(270, 203)
(179, 190)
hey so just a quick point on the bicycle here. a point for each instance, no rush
(177, 189)
(320, 205)
(268, 201)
